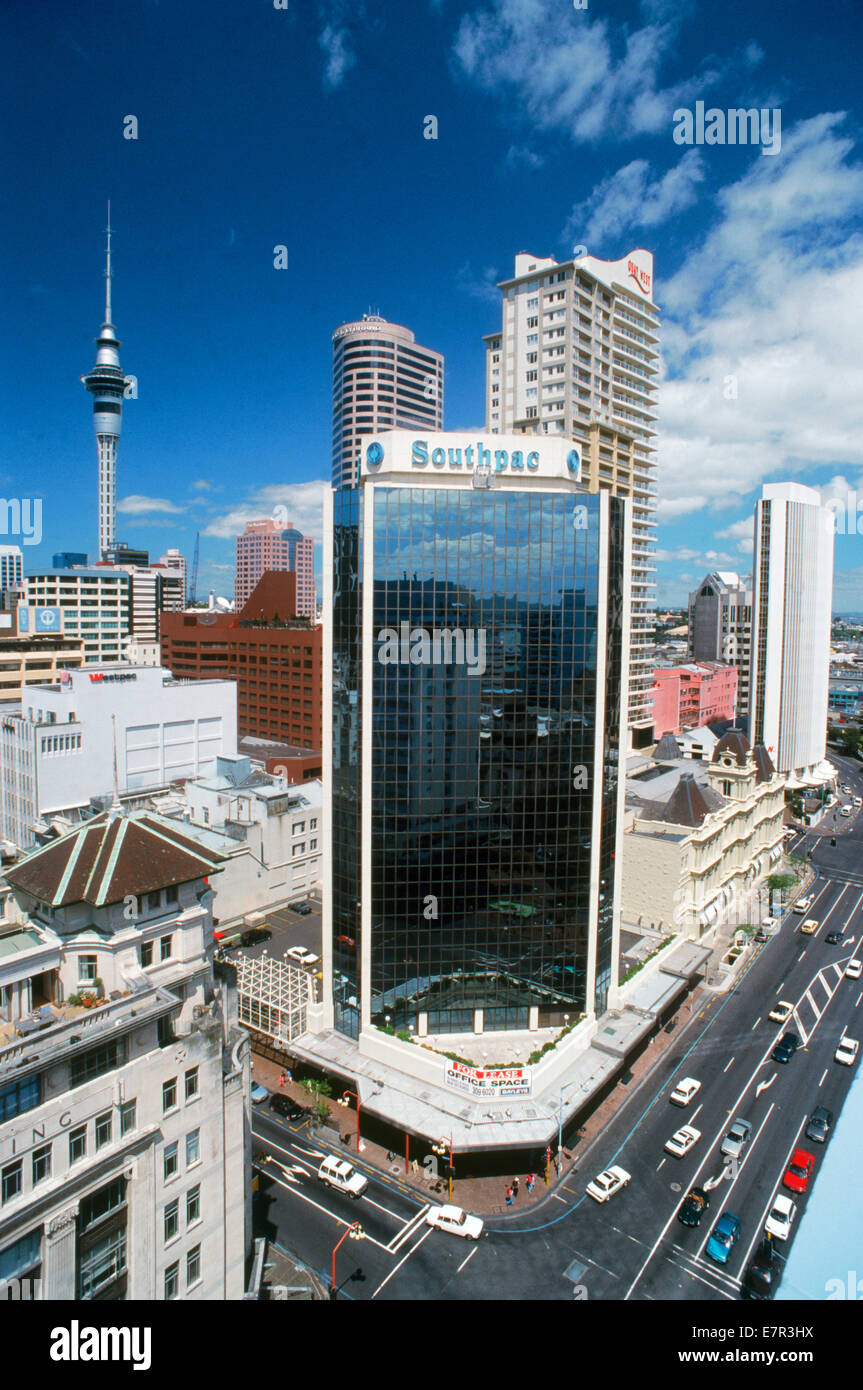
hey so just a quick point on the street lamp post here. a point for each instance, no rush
(344, 1102)
(355, 1232)
(441, 1149)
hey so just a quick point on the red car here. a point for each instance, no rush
(798, 1171)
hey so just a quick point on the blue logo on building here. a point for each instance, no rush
(573, 462)
(374, 454)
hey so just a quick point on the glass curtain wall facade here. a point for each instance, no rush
(492, 620)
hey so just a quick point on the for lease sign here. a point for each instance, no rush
(487, 1082)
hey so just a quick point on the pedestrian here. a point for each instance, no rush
(288, 1076)
(282, 1079)
(531, 1179)
(515, 1187)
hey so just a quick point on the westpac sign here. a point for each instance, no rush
(508, 459)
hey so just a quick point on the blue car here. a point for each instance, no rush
(723, 1238)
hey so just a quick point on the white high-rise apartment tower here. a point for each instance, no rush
(793, 594)
(578, 356)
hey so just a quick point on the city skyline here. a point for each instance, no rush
(757, 258)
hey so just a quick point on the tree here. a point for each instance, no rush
(777, 883)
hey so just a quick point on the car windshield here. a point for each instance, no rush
(797, 1170)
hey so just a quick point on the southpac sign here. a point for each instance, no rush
(497, 457)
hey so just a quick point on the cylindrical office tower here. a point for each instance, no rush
(382, 379)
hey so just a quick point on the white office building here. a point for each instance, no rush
(792, 608)
(57, 751)
(124, 1077)
(578, 357)
(720, 626)
(94, 605)
(269, 834)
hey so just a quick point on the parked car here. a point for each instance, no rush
(810, 926)
(799, 1170)
(723, 1237)
(289, 1109)
(820, 1124)
(803, 904)
(303, 908)
(259, 1094)
(682, 1140)
(302, 956)
(846, 811)
(781, 1012)
(736, 1138)
(858, 801)
(834, 938)
(846, 1052)
(770, 924)
(694, 1205)
(606, 1184)
(684, 1091)
(455, 1220)
(785, 1048)
(254, 935)
(762, 1272)
(782, 1214)
(854, 968)
(337, 1173)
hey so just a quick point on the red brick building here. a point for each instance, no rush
(690, 696)
(272, 654)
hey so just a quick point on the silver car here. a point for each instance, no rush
(736, 1139)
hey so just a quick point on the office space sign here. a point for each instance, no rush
(488, 1083)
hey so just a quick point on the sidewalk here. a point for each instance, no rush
(487, 1195)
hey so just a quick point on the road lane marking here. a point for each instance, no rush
(692, 1275)
(755, 1024)
(558, 1198)
(727, 1065)
(303, 1197)
(694, 1114)
(802, 954)
(466, 1258)
(407, 1230)
(763, 1085)
(406, 1256)
(821, 1082)
(660, 1165)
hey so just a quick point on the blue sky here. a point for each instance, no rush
(303, 126)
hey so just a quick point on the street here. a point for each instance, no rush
(633, 1246)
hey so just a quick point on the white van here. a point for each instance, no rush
(335, 1172)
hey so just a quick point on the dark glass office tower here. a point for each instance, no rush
(477, 655)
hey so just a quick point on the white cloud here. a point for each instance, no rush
(335, 42)
(761, 339)
(137, 505)
(480, 286)
(630, 199)
(568, 71)
(302, 501)
(522, 157)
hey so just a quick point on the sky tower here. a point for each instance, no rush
(107, 384)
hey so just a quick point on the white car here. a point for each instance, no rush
(302, 956)
(803, 904)
(846, 811)
(684, 1091)
(770, 924)
(782, 1213)
(682, 1140)
(781, 1012)
(259, 1094)
(858, 801)
(854, 969)
(606, 1184)
(455, 1220)
(810, 926)
(846, 1052)
(335, 1172)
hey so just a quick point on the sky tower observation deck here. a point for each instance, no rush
(474, 708)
